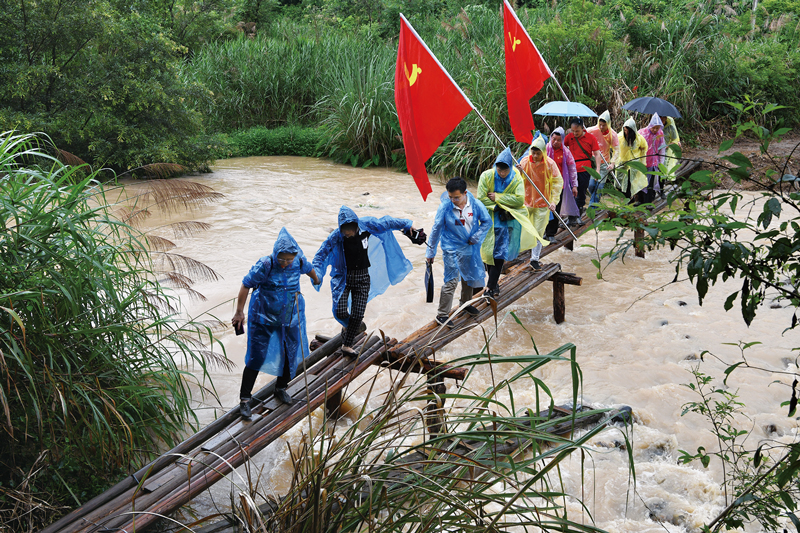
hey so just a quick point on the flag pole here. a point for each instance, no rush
(564, 94)
(516, 162)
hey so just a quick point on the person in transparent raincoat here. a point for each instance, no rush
(460, 226)
(632, 147)
(656, 152)
(365, 259)
(276, 333)
(502, 191)
(543, 171)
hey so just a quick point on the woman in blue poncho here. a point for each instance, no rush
(365, 259)
(276, 335)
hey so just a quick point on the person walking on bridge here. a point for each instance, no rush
(586, 152)
(365, 259)
(608, 140)
(460, 226)
(632, 147)
(566, 205)
(502, 191)
(656, 152)
(544, 172)
(276, 332)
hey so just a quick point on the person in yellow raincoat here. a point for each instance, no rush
(544, 172)
(501, 189)
(632, 147)
(672, 137)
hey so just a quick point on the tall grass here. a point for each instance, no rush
(312, 74)
(497, 466)
(93, 357)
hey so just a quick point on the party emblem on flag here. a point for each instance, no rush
(514, 42)
(428, 112)
(415, 71)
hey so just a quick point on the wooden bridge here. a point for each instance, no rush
(185, 471)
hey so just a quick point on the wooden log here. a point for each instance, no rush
(234, 453)
(567, 278)
(399, 361)
(570, 245)
(559, 304)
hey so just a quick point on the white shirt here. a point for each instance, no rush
(464, 215)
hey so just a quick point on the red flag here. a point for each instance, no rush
(526, 73)
(429, 103)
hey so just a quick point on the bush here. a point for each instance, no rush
(288, 140)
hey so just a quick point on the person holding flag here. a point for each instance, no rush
(544, 173)
(502, 191)
(569, 174)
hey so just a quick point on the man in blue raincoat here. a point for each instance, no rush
(460, 225)
(276, 335)
(365, 259)
(502, 190)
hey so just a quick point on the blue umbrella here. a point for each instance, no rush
(560, 108)
(650, 104)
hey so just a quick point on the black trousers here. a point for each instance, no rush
(357, 284)
(249, 379)
(583, 186)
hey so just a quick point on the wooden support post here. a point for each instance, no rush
(570, 245)
(559, 303)
(434, 411)
(638, 238)
(333, 405)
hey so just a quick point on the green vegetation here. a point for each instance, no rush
(722, 234)
(128, 84)
(427, 458)
(93, 354)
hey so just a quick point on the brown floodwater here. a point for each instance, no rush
(636, 338)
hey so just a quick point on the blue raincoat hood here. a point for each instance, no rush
(285, 244)
(347, 215)
(504, 157)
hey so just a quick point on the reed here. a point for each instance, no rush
(496, 466)
(93, 356)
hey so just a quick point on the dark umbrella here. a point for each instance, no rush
(650, 104)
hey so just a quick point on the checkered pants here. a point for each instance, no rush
(357, 284)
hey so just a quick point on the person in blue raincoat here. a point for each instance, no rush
(502, 190)
(276, 334)
(365, 259)
(460, 226)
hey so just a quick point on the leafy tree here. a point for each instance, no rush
(103, 83)
(724, 234)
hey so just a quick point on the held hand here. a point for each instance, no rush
(429, 260)
(490, 195)
(574, 192)
(552, 207)
(314, 277)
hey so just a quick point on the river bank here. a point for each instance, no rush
(636, 341)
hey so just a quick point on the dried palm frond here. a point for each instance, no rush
(132, 217)
(215, 325)
(70, 159)
(159, 244)
(176, 195)
(162, 170)
(218, 359)
(176, 263)
(176, 280)
(157, 300)
(187, 228)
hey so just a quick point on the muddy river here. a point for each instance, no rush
(636, 341)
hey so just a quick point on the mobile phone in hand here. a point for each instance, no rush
(239, 329)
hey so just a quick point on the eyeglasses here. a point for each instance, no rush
(286, 261)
